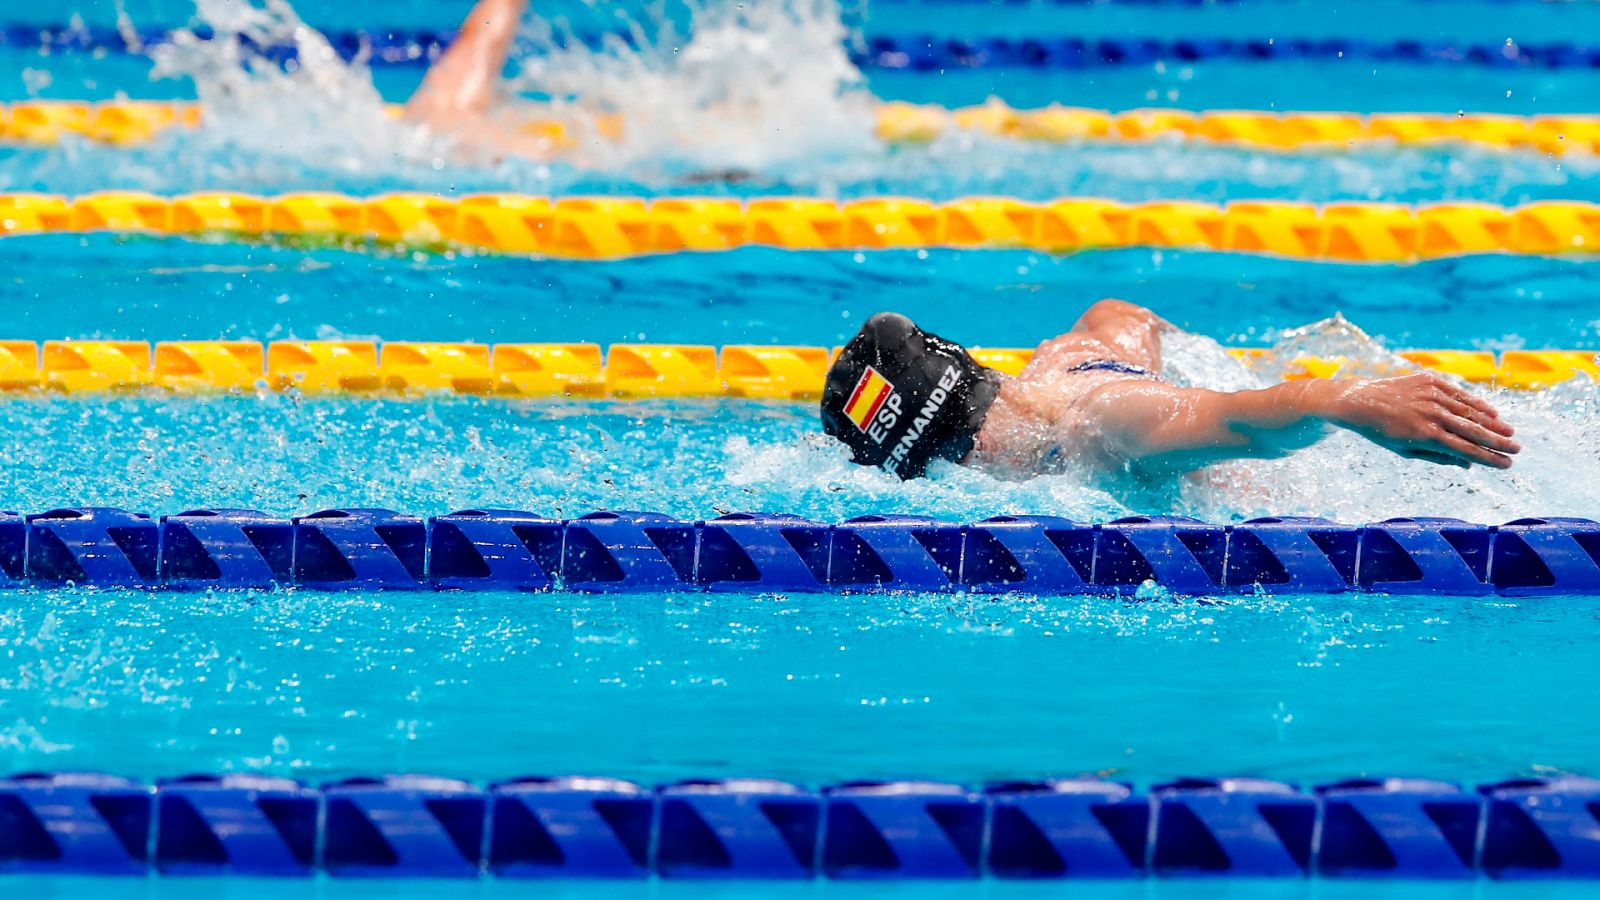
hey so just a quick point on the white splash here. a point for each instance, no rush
(1347, 478)
(1344, 477)
(748, 85)
(24, 737)
(816, 475)
(315, 109)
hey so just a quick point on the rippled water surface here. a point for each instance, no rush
(810, 688)
(806, 687)
(84, 286)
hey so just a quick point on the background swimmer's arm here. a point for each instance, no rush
(1419, 416)
(460, 87)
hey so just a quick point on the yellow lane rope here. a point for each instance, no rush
(581, 370)
(615, 227)
(128, 122)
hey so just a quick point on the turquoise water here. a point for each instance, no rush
(1365, 86)
(1384, 87)
(154, 289)
(950, 168)
(1479, 20)
(807, 688)
(810, 688)
(954, 166)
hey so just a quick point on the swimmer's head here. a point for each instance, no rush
(901, 397)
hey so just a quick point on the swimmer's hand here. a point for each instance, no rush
(1424, 416)
(1160, 428)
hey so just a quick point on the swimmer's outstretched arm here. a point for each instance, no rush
(458, 93)
(1157, 425)
(461, 85)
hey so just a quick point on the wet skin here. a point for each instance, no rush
(1050, 416)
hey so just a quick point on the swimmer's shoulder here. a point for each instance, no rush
(1062, 353)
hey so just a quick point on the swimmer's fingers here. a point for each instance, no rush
(1471, 452)
(1473, 418)
(1466, 398)
(1481, 434)
(1474, 414)
(1445, 389)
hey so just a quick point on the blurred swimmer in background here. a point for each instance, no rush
(459, 93)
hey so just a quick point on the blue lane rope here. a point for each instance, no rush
(425, 827)
(919, 53)
(507, 550)
(930, 54)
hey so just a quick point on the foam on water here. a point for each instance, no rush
(1348, 478)
(748, 85)
(315, 109)
(744, 86)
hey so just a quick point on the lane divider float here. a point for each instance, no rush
(618, 227)
(625, 371)
(420, 826)
(511, 550)
(132, 122)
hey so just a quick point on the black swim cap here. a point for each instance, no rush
(901, 397)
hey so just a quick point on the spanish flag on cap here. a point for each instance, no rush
(868, 397)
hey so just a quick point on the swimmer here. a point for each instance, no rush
(459, 93)
(901, 398)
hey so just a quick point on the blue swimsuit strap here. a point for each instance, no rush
(1112, 365)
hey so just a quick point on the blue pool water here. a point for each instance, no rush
(807, 688)
(153, 289)
(1390, 86)
(954, 166)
